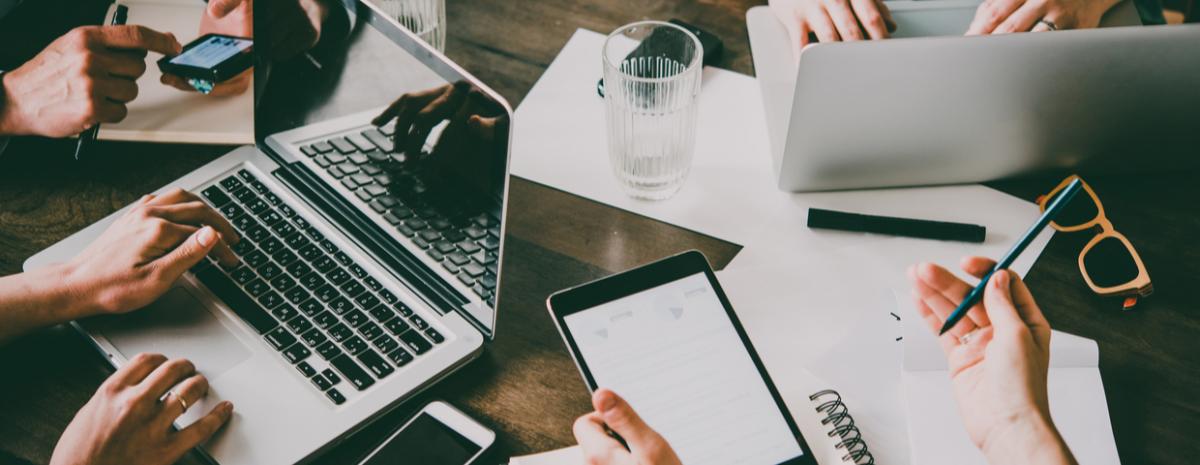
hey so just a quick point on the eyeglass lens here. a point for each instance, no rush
(1110, 263)
(1082, 209)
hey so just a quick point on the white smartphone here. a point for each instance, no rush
(438, 435)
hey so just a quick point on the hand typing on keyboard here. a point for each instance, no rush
(144, 252)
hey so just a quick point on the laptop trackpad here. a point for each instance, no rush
(176, 325)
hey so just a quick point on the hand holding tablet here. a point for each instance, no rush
(665, 339)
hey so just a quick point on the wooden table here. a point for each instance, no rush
(525, 386)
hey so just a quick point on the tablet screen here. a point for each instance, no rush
(674, 354)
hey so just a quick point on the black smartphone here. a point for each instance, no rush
(712, 45)
(213, 57)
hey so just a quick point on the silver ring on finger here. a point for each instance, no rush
(1049, 24)
(966, 338)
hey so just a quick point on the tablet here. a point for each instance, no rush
(664, 337)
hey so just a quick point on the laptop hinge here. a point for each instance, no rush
(375, 242)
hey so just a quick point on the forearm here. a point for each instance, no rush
(37, 299)
(1031, 440)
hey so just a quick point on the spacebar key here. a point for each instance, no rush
(357, 376)
(236, 299)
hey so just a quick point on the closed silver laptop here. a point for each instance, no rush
(368, 271)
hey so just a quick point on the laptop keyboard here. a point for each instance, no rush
(305, 296)
(465, 241)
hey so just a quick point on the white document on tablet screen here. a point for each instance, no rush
(673, 353)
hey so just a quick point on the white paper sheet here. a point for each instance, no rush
(165, 114)
(566, 456)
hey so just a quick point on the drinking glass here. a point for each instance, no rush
(425, 18)
(651, 81)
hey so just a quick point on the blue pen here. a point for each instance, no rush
(119, 18)
(1057, 205)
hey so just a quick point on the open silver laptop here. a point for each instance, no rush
(932, 107)
(368, 272)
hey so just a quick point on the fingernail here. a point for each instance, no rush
(607, 403)
(207, 236)
(1000, 280)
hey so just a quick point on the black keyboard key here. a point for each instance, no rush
(322, 161)
(308, 150)
(273, 199)
(271, 218)
(381, 313)
(256, 258)
(246, 175)
(342, 145)
(340, 332)
(320, 382)
(353, 288)
(271, 245)
(378, 206)
(326, 320)
(332, 376)
(435, 336)
(325, 264)
(430, 235)
(419, 322)
(284, 228)
(327, 293)
(335, 396)
(358, 271)
(287, 211)
(284, 312)
(488, 281)
(388, 297)
(366, 300)
(359, 158)
(397, 326)
(309, 306)
(372, 283)
(322, 147)
(392, 219)
(313, 281)
(215, 196)
(257, 287)
(360, 142)
(306, 369)
(352, 372)
(355, 318)
(347, 168)
(415, 342)
(445, 246)
(336, 159)
(310, 252)
(339, 276)
(234, 212)
(491, 243)
(354, 345)
(314, 337)
(374, 190)
(385, 343)
(329, 246)
(259, 186)
(270, 271)
(400, 357)
(299, 324)
(469, 247)
(375, 363)
(236, 299)
(231, 183)
(244, 275)
(404, 310)
(285, 257)
(258, 206)
(459, 258)
(370, 331)
(280, 338)
(379, 139)
(285, 283)
(340, 305)
(296, 240)
(343, 258)
(336, 172)
(329, 350)
(297, 353)
(245, 195)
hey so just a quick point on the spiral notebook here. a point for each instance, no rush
(827, 424)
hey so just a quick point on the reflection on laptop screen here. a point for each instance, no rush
(410, 140)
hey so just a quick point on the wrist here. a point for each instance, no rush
(1029, 437)
(66, 292)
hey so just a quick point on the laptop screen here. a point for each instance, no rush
(408, 139)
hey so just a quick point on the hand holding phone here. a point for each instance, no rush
(208, 61)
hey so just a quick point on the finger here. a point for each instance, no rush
(204, 428)
(116, 90)
(821, 25)
(643, 441)
(951, 289)
(1040, 27)
(234, 86)
(934, 323)
(176, 82)
(188, 253)
(1029, 311)
(139, 38)
(120, 64)
(191, 390)
(221, 8)
(165, 376)
(175, 195)
(804, 32)
(107, 111)
(136, 369)
(1021, 20)
(887, 16)
(196, 213)
(990, 14)
(843, 19)
(997, 299)
(597, 445)
(870, 18)
(977, 266)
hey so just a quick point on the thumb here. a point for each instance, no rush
(188, 253)
(221, 8)
(997, 299)
(620, 417)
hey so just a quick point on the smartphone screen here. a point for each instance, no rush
(426, 441)
(212, 52)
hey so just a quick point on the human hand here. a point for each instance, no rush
(83, 78)
(227, 17)
(646, 447)
(832, 20)
(998, 357)
(145, 251)
(1007, 16)
(293, 27)
(125, 423)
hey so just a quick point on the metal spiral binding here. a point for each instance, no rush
(838, 416)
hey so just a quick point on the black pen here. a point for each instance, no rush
(1057, 205)
(89, 135)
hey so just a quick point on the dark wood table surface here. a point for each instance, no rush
(525, 385)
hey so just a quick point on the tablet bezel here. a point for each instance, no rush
(646, 277)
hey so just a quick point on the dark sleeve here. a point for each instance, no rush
(337, 27)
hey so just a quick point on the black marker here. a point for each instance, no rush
(89, 135)
(924, 229)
